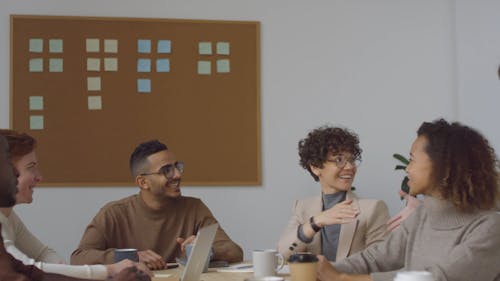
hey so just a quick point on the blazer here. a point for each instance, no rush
(369, 228)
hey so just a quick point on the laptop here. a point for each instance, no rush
(199, 253)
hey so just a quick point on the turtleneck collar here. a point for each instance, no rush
(443, 215)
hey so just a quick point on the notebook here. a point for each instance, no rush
(197, 258)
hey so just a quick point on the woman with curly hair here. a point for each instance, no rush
(455, 233)
(334, 223)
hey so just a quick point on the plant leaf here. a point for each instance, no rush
(401, 158)
(400, 167)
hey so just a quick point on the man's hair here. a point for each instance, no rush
(323, 141)
(20, 144)
(465, 167)
(138, 160)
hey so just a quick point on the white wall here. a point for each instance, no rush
(378, 67)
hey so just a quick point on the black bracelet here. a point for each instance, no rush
(314, 226)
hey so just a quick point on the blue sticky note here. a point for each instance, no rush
(56, 45)
(164, 46)
(205, 48)
(144, 46)
(36, 45)
(223, 66)
(55, 65)
(162, 65)
(144, 85)
(36, 102)
(143, 65)
(36, 65)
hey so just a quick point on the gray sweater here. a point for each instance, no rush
(453, 246)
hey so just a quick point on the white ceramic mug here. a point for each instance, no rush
(414, 276)
(266, 262)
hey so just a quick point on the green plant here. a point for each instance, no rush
(405, 162)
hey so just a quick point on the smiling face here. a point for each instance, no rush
(419, 169)
(334, 179)
(156, 184)
(29, 176)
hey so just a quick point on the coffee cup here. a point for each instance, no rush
(303, 266)
(123, 254)
(266, 262)
(414, 276)
(189, 249)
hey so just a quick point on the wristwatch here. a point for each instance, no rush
(314, 226)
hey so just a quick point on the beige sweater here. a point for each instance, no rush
(130, 223)
(453, 246)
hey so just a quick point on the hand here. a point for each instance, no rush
(341, 213)
(132, 274)
(183, 242)
(326, 271)
(151, 259)
(411, 204)
(115, 268)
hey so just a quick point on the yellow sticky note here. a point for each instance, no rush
(55, 65)
(92, 45)
(223, 48)
(110, 46)
(93, 83)
(36, 65)
(205, 48)
(36, 122)
(93, 64)
(204, 67)
(110, 64)
(36, 103)
(223, 66)
(95, 102)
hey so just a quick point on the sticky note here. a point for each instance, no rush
(36, 122)
(93, 64)
(205, 48)
(110, 46)
(110, 64)
(36, 103)
(55, 45)
(162, 65)
(143, 85)
(164, 47)
(94, 102)
(36, 45)
(223, 48)
(55, 65)
(144, 46)
(92, 45)
(93, 83)
(36, 65)
(223, 66)
(143, 65)
(204, 67)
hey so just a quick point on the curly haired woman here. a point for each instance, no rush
(455, 233)
(334, 223)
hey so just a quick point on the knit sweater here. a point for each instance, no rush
(452, 245)
(25, 247)
(130, 223)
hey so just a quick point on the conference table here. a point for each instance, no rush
(212, 275)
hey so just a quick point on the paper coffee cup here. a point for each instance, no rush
(303, 266)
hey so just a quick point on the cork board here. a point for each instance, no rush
(90, 89)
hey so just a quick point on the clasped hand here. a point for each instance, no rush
(154, 261)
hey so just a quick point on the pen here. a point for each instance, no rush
(171, 265)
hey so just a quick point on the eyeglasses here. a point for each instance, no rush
(342, 160)
(168, 170)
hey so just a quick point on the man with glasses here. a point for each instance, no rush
(158, 221)
(336, 223)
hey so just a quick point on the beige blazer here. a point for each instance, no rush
(370, 227)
